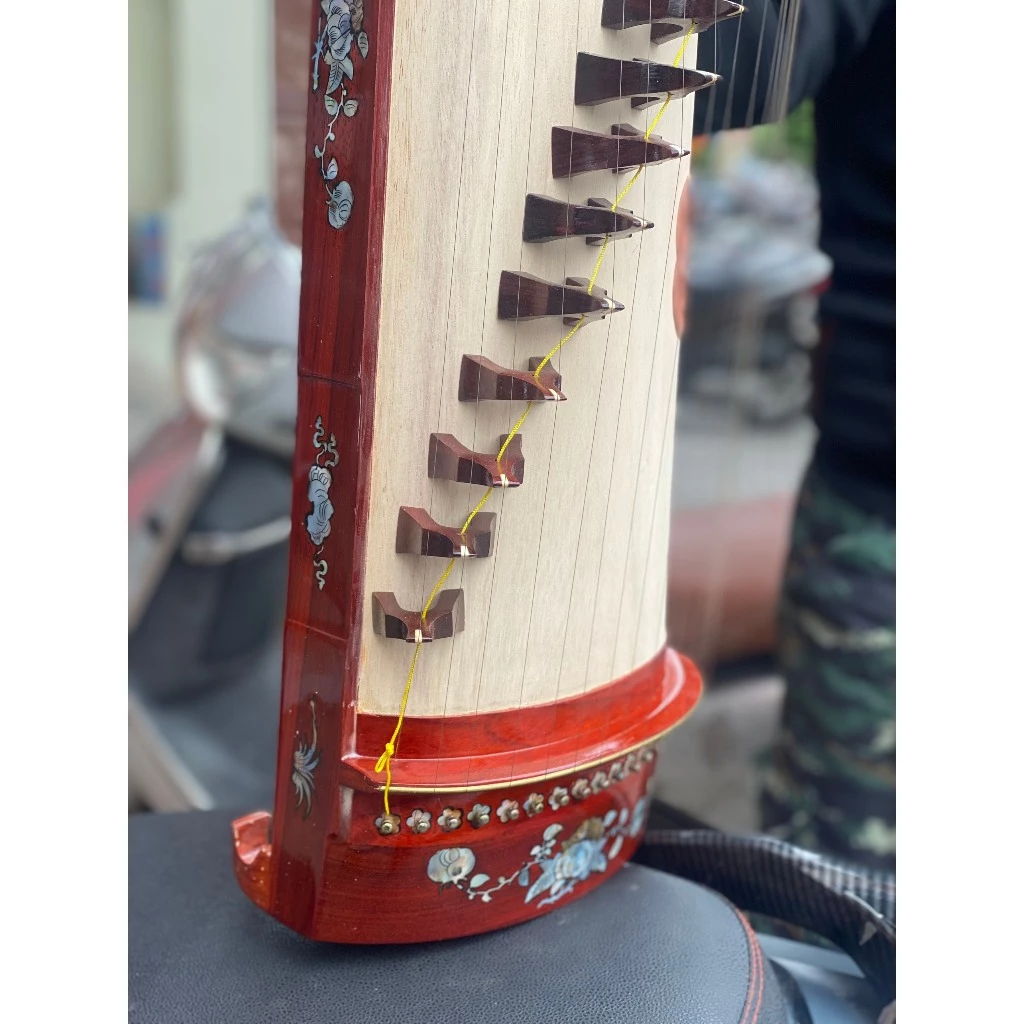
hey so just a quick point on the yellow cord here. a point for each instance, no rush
(547, 359)
(384, 761)
(675, 64)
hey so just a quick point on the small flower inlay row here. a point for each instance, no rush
(451, 819)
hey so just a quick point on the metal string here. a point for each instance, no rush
(636, 175)
(383, 763)
(483, 325)
(776, 104)
(672, 398)
(747, 344)
(565, 244)
(425, 564)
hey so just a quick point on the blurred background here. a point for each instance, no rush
(216, 149)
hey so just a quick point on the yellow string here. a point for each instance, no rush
(675, 64)
(384, 761)
(547, 359)
(437, 586)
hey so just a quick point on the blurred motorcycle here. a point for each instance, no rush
(209, 501)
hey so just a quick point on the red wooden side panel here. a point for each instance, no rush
(342, 226)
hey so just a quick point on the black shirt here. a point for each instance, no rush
(845, 61)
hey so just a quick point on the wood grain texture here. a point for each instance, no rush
(523, 297)
(482, 380)
(621, 148)
(445, 618)
(418, 534)
(573, 593)
(338, 323)
(667, 17)
(548, 220)
(600, 79)
(561, 673)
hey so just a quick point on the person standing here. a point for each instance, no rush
(830, 782)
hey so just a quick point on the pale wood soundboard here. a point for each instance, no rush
(572, 595)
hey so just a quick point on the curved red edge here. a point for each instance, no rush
(358, 886)
(542, 740)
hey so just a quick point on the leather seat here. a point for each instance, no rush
(644, 947)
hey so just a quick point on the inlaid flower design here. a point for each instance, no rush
(479, 816)
(388, 824)
(450, 819)
(581, 789)
(305, 758)
(559, 797)
(451, 867)
(534, 804)
(418, 821)
(581, 854)
(318, 522)
(339, 28)
(590, 849)
(338, 39)
(508, 810)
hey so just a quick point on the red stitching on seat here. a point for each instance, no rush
(752, 1005)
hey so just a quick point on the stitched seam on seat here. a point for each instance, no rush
(752, 1005)
(756, 976)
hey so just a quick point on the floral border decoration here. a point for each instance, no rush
(580, 855)
(421, 821)
(304, 762)
(334, 48)
(318, 522)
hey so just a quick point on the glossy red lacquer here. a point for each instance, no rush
(366, 888)
(320, 863)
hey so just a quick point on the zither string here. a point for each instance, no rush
(777, 57)
(483, 323)
(384, 761)
(564, 248)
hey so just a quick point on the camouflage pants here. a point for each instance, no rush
(830, 782)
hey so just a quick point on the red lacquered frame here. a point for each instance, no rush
(520, 810)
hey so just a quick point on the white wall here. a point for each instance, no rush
(151, 163)
(201, 135)
(223, 73)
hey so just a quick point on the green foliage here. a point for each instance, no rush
(792, 139)
(702, 161)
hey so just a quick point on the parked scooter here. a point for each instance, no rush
(209, 500)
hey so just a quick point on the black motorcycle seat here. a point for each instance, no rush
(644, 948)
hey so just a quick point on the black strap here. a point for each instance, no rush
(849, 906)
